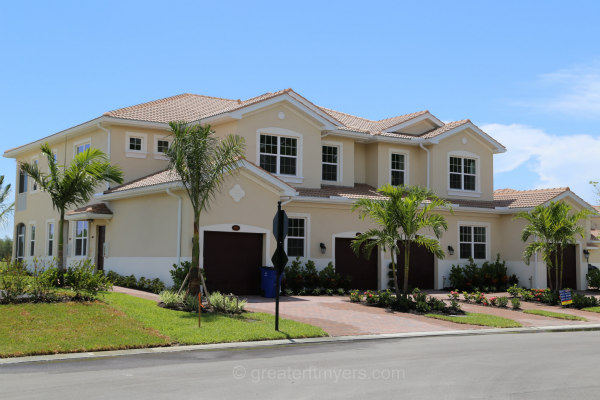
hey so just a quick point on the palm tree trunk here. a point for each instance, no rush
(194, 285)
(562, 263)
(60, 251)
(406, 266)
(556, 269)
(394, 274)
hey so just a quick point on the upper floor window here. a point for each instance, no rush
(81, 238)
(397, 170)
(80, 148)
(463, 174)
(136, 144)
(330, 163)
(296, 239)
(22, 181)
(278, 154)
(473, 242)
(20, 242)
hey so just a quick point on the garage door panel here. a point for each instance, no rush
(362, 270)
(421, 267)
(232, 262)
(569, 278)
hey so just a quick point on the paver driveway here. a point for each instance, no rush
(339, 317)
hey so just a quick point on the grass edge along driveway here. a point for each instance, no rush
(121, 322)
(478, 319)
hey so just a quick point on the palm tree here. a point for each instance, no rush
(5, 209)
(72, 185)
(202, 161)
(552, 228)
(403, 213)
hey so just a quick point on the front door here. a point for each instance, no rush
(100, 248)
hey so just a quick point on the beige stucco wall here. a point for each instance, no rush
(473, 147)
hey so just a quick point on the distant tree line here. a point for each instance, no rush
(6, 248)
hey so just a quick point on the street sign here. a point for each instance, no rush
(279, 259)
(276, 225)
(565, 297)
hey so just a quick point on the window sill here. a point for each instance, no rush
(136, 154)
(160, 156)
(463, 193)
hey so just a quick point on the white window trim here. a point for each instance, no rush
(81, 142)
(87, 242)
(46, 247)
(272, 131)
(31, 239)
(462, 192)
(340, 163)
(17, 240)
(33, 183)
(406, 155)
(157, 155)
(488, 239)
(143, 153)
(306, 218)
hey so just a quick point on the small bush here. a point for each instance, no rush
(317, 292)
(178, 273)
(593, 278)
(371, 297)
(356, 296)
(516, 303)
(490, 277)
(436, 304)
(171, 298)
(86, 283)
(423, 307)
(514, 291)
(13, 282)
(403, 303)
(43, 282)
(581, 301)
(329, 292)
(385, 298)
(229, 304)
(340, 291)
(149, 285)
(502, 301)
(192, 303)
(288, 292)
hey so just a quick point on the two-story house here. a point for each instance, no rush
(315, 160)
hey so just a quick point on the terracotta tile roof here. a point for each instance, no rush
(156, 178)
(525, 198)
(98, 208)
(594, 234)
(358, 191)
(192, 107)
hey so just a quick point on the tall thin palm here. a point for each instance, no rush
(202, 162)
(6, 208)
(72, 185)
(404, 215)
(568, 228)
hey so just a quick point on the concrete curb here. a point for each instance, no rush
(287, 342)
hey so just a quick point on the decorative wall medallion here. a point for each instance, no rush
(281, 115)
(237, 193)
(464, 140)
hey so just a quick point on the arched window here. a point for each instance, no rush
(20, 242)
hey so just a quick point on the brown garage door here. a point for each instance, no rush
(569, 279)
(421, 268)
(232, 262)
(362, 270)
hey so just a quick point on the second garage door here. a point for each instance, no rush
(569, 275)
(362, 270)
(232, 262)
(421, 268)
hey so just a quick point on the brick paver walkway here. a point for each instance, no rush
(339, 317)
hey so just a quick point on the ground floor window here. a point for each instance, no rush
(20, 242)
(473, 241)
(32, 240)
(81, 238)
(296, 239)
(50, 238)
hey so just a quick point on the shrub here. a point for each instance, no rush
(581, 301)
(423, 307)
(178, 273)
(43, 282)
(491, 276)
(13, 282)
(328, 278)
(385, 298)
(294, 277)
(191, 303)
(502, 301)
(516, 303)
(317, 292)
(593, 278)
(288, 292)
(371, 297)
(403, 303)
(228, 304)
(436, 304)
(86, 283)
(493, 301)
(356, 296)
(479, 298)
(311, 275)
(514, 291)
(329, 292)
(171, 298)
(419, 297)
(526, 295)
(340, 292)
(549, 297)
(149, 285)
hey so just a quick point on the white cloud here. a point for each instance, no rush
(572, 91)
(570, 160)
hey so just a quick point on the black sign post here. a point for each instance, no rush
(279, 259)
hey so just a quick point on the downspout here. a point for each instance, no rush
(428, 155)
(178, 224)
(107, 146)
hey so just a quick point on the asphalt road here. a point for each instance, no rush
(504, 366)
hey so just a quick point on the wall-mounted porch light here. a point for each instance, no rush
(451, 250)
(323, 248)
(586, 253)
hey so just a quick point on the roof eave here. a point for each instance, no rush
(497, 146)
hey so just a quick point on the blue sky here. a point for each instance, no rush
(526, 72)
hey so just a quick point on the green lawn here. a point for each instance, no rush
(27, 329)
(120, 321)
(553, 314)
(592, 309)
(478, 319)
(182, 327)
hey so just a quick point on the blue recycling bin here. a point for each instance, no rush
(268, 279)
